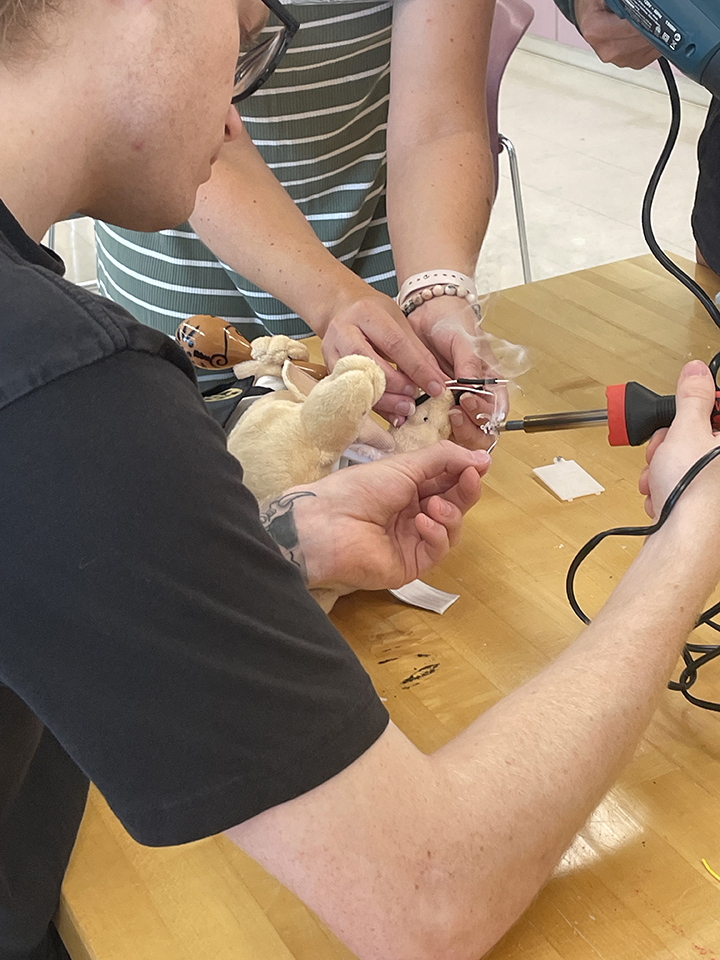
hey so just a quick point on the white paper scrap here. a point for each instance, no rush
(419, 594)
(567, 479)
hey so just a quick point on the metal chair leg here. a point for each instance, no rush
(519, 209)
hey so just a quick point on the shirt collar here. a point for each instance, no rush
(33, 252)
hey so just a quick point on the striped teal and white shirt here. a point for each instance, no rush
(320, 124)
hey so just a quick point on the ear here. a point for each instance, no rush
(357, 362)
(247, 368)
(297, 381)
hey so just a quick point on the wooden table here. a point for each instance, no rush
(632, 887)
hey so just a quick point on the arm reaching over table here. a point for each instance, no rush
(435, 857)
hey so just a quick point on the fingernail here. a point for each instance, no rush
(696, 368)
(472, 404)
(435, 388)
(397, 421)
(444, 508)
(481, 456)
(406, 408)
(456, 418)
(410, 390)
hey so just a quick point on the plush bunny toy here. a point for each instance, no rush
(429, 423)
(297, 434)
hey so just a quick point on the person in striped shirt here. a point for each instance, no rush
(375, 126)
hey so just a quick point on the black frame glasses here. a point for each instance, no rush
(256, 65)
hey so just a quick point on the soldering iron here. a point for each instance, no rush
(633, 414)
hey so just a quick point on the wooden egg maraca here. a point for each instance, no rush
(213, 344)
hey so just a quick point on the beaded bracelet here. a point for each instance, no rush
(435, 283)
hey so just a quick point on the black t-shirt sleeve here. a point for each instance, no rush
(150, 622)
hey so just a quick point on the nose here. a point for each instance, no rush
(233, 125)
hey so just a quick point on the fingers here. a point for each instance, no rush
(434, 545)
(382, 326)
(462, 492)
(354, 343)
(655, 441)
(466, 492)
(695, 399)
(466, 429)
(430, 464)
(446, 514)
(395, 407)
(629, 52)
(614, 39)
(400, 344)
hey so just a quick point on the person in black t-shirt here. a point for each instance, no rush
(154, 636)
(617, 41)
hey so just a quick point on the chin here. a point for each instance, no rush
(145, 217)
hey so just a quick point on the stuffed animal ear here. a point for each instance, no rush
(297, 381)
(357, 362)
(247, 368)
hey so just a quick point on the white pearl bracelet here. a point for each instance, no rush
(435, 283)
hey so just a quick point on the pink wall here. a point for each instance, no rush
(550, 23)
(545, 22)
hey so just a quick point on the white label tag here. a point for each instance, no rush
(419, 594)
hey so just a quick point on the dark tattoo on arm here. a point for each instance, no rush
(278, 519)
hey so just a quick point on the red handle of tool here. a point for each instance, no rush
(635, 413)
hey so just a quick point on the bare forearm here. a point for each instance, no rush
(440, 179)
(439, 201)
(469, 835)
(529, 772)
(248, 220)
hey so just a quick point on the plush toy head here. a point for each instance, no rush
(268, 356)
(426, 426)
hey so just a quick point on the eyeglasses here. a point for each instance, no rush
(254, 66)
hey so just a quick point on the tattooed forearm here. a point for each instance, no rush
(278, 519)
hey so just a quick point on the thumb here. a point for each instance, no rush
(695, 397)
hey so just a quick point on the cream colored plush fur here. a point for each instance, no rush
(294, 436)
(287, 438)
(269, 355)
(426, 426)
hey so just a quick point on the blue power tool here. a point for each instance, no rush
(686, 32)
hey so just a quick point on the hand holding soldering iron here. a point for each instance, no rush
(672, 451)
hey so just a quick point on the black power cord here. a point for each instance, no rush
(649, 197)
(707, 652)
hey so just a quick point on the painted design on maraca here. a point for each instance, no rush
(212, 343)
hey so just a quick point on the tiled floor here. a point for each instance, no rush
(587, 143)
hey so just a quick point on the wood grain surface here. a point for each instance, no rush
(632, 887)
